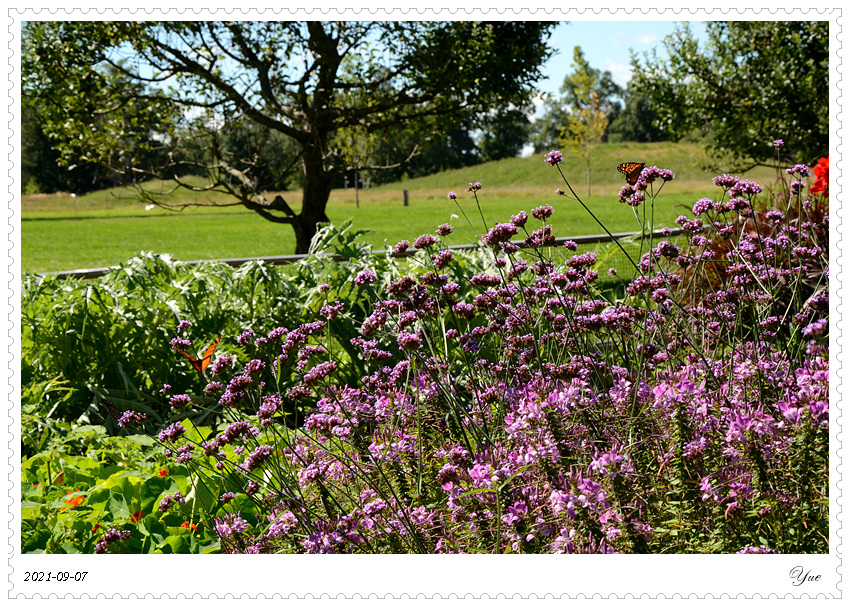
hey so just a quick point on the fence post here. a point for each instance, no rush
(405, 198)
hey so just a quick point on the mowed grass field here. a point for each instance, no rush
(61, 232)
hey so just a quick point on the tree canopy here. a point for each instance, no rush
(579, 86)
(751, 83)
(504, 132)
(161, 99)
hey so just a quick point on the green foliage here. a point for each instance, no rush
(751, 83)
(545, 131)
(86, 483)
(504, 133)
(586, 80)
(40, 163)
(334, 107)
(267, 155)
(637, 122)
(110, 338)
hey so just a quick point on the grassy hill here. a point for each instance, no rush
(61, 232)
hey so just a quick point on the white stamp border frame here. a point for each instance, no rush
(429, 576)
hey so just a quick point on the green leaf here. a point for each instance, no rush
(175, 544)
(152, 491)
(70, 548)
(118, 506)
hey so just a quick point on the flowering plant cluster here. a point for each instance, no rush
(527, 409)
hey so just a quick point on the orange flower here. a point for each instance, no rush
(162, 472)
(136, 516)
(188, 525)
(73, 502)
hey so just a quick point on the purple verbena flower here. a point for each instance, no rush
(543, 212)
(424, 241)
(366, 277)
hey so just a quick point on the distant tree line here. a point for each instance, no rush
(466, 142)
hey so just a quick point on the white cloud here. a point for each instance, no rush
(646, 38)
(620, 72)
(627, 38)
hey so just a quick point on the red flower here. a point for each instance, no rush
(188, 525)
(162, 472)
(821, 170)
(136, 516)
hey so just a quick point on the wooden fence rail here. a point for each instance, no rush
(284, 259)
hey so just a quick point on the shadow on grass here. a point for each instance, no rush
(143, 216)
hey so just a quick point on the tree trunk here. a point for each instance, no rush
(316, 193)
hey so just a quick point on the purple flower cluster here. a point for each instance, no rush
(542, 213)
(110, 537)
(425, 241)
(168, 500)
(178, 344)
(502, 232)
(366, 277)
(129, 418)
(179, 401)
(521, 407)
(554, 157)
(172, 433)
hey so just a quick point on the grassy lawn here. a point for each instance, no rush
(103, 228)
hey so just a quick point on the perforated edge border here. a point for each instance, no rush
(836, 90)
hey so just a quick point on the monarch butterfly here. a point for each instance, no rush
(631, 170)
(113, 410)
(202, 364)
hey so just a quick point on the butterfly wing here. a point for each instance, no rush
(113, 410)
(631, 170)
(202, 364)
(205, 361)
(193, 360)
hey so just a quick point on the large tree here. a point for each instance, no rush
(329, 87)
(750, 83)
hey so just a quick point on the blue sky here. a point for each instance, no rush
(606, 46)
